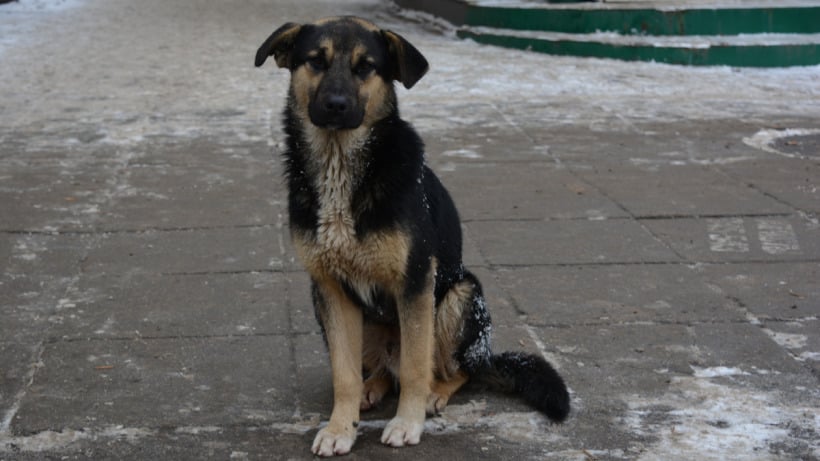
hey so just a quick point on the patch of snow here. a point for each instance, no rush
(764, 139)
(715, 372)
(787, 340)
(27, 6)
(815, 356)
(462, 153)
(701, 419)
(48, 441)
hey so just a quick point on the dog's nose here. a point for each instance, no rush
(337, 104)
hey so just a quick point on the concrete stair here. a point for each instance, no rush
(742, 33)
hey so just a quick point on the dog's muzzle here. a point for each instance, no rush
(335, 111)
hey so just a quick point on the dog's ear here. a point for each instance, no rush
(407, 62)
(279, 45)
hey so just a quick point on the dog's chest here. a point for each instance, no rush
(334, 184)
(334, 249)
(376, 261)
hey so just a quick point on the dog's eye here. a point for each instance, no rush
(316, 63)
(363, 69)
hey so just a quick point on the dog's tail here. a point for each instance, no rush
(530, 377)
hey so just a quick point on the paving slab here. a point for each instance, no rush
(16, 368)
(797, 337)
(681, 190)
(28, 305)
(775, 291)
(239, 442)
(588, 294)
(481, 191)
(643, 134)
(231, 249)
(38, 198)
(648, 370)
(792, 181)
(625, 241)
(740, 239)
(45, 254)
(154, 197)
(156, 383)
(153, 305)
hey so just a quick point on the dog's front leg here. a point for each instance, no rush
(342, 323)
(415, 370)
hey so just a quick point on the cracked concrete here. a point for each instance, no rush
(652, 230)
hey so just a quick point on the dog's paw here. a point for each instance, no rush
(400, 432)
(333, 443)
(370, 398)
(436, 402)
(373, 392)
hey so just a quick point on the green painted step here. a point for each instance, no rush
(721, 53)
(694, 20)
(755, 36)
(728, 21)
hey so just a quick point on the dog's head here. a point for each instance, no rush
(342, 69)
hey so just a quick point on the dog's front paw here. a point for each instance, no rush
(401, 431)
(330, 442)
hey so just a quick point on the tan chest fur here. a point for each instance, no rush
(377, 261)
(334, 250)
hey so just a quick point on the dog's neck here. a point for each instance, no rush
(337, 166)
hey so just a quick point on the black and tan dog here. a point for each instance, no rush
(381, 238)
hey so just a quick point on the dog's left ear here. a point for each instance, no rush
(408, 63)
(279, 45)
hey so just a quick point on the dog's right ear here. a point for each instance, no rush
(279, 45)
(408, 63)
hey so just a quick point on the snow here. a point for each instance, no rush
(595, 92)
(16, 18)
(715, 372)
(39, 6)
(706, 419)
(181, 89)
(765, 138)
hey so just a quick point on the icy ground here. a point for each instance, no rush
(165, 80)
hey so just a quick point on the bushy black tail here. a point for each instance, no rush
(533, 379)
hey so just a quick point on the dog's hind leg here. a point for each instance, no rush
(380, 355)
(375, 388)
(443, 390)
(449, 376)
(342, 323)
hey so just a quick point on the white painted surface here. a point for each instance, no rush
(727, 235)
(777, 236)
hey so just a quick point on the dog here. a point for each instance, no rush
(381, 239)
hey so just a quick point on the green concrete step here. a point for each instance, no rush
(638, 18)
(761, 33)
(759, 50)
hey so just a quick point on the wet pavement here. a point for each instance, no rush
(652, 230)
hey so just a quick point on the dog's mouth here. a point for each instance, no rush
(334, 125)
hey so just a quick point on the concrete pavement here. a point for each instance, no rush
(652, 230)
